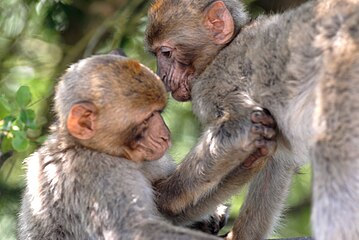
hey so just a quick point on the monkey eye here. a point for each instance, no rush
(138, 137)
(145, 122)
(166, 51)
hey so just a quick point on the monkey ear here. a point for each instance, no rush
(81, 120)
(219, 21)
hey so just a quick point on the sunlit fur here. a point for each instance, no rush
(77, 189)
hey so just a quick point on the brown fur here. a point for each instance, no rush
(86, 181)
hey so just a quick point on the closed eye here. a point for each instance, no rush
(166, 52)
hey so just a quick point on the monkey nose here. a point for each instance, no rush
(169, 143)
(166, 137)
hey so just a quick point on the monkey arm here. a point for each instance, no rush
(198, 174)
(165, 166)
(122, 207)
(198, 180)
(229, 185)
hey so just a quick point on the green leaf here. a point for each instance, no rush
(27, 116)
(5, 108)
(18, 124)
(20, 143)
(23, 96)
(8, 122)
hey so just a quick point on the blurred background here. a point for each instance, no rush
(38, 41)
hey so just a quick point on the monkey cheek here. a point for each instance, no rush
(156, 151)
(155, 154)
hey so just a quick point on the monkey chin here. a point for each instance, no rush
(181, 94)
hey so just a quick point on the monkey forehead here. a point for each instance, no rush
(160, 8)
(166, 17)
(105, 79)
(105, 71)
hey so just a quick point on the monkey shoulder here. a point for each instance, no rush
(222, 97)
(115, 177)
(208, 96)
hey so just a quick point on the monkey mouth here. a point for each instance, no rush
(179, 83)
(180, 88)
(182, 93)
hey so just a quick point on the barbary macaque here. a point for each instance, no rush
(93, 178)
(303, 67)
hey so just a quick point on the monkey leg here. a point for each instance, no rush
(154, 230)
(265, 199)
(335, 210)
(335, 152)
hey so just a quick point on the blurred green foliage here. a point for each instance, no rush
(39, 39)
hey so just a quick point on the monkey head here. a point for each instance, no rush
(186, 35)
(112, 104)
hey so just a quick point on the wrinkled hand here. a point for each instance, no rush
(263, 133)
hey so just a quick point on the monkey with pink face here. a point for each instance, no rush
(303, 67)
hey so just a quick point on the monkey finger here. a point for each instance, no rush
(262, 117)
(264, 151)
(266, 147)
(266, 132)
(261, 145)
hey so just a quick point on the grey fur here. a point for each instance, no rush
(91, 196)
(303, 66)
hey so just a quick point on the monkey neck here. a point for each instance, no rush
(258, 63)
(266, 54)
(60, 140)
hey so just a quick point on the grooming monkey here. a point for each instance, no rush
(302, 66)
(93, 177)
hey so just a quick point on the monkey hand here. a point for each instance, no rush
(263, 131)
(214, 222)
